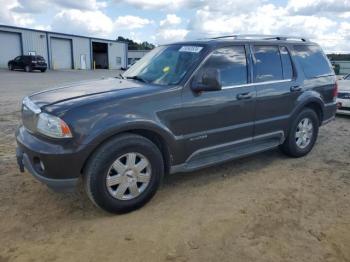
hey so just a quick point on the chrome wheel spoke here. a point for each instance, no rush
(119, 193)
(143, 178)
(130, 160)
(134, 191)
(114, 180)
(119, 166)
(141, 165)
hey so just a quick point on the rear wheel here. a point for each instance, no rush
(302, 134)
(27, 68)
(124, 173)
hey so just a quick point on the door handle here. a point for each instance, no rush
(295, 88)
(244, 96)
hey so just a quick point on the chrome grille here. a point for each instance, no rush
(343, 95)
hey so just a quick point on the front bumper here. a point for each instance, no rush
(56, 165)
(58, 185)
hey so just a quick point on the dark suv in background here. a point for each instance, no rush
(182, 107)
(28, 63)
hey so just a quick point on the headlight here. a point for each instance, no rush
(53, 126)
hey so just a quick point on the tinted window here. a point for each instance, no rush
(312, 60)
(286, 63)
(267, 64)
(231, 63)
(347, 77)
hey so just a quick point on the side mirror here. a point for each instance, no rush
(208, 80)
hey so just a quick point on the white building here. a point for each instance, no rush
(62, 51)
(135, 55)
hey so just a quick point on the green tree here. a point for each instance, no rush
(136, 46)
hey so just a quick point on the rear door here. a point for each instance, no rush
(277, 89)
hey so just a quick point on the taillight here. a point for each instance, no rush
(335, 89)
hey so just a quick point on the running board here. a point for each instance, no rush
(224, 155)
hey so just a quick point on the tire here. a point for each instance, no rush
(27, 68)
(42, 70)
(10, 67)
(99, 169)
(301, 143)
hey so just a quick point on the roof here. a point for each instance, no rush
(57, 33)
(248, 39)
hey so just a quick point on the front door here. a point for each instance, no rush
(216, 119)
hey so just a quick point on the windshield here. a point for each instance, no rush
(347, 77)
(165, 65)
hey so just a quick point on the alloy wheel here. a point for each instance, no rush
(128, 176)
(304, 133)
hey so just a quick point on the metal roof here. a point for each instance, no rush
(63, 34)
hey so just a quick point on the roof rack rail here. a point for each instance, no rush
(262, 37)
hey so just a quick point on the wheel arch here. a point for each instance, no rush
(155, 137)
(312, 101)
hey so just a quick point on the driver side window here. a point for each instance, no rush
(18, 58)
(231, 63)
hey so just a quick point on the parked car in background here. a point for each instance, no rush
(28, 63)
(182, 107)
(343, 99)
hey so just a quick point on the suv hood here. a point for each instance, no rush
(82, 89)
(344, 85)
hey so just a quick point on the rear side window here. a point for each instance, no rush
(312, 60)
(267, 64)
(231, 63)
(286, 63)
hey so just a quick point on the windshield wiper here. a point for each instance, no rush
(137, 78)
(120, 76)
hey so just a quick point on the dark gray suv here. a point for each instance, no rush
(182, 107)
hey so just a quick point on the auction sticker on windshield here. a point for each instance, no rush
(191, 49)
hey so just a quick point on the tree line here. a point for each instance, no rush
(136, 46)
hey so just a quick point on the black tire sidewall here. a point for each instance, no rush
(104, 159)
(292, 146)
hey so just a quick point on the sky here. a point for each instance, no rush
(164, 21)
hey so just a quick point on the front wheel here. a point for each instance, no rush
(43, 70)
(124, 173)
(302, 134)
(10, 67)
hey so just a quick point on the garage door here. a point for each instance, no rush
(61, 50)
(10, 47)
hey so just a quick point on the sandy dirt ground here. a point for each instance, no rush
(266, 207)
